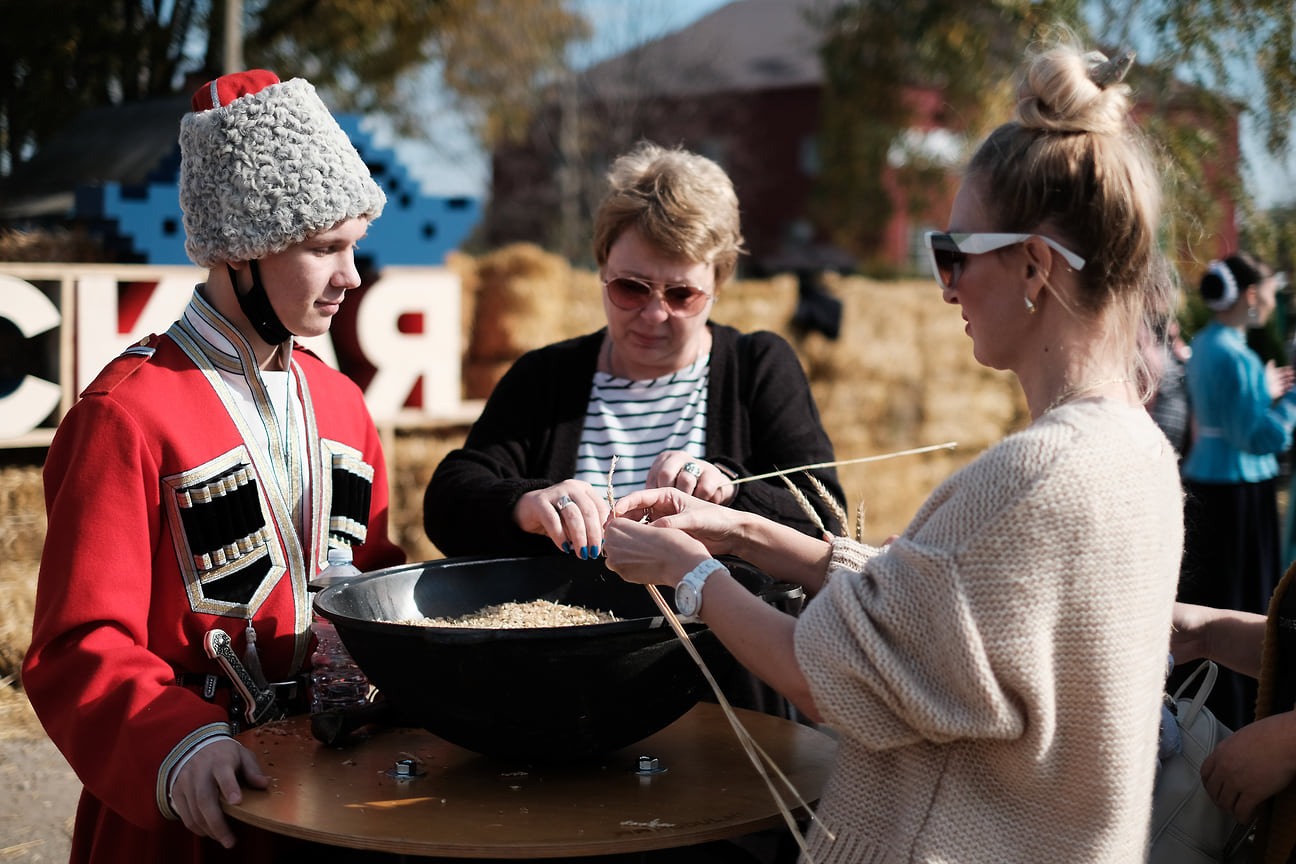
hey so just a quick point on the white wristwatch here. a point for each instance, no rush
(688, 593)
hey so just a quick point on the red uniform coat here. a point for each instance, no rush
(166, 520)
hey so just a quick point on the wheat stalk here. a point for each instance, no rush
(833, 504)
(949, 445)
(805, 503)
(755, 752)
(828, 498)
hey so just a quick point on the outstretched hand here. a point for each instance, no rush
(715, 526)
(1278, 379)
(650, 554)
(570, 513)
(210, 776)
(1252, 765)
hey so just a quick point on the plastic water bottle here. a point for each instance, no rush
(336, 681)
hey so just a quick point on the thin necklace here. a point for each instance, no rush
(1072, 392)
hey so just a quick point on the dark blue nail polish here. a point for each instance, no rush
(584, 551)
(567, 546)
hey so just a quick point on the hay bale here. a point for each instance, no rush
(902, 376)
(465, 267)
(22, 536)
(757, 304)
(514, 310)
(17, 607)
(417, 453)
(18, 720)
(480, 377)
(58, 245)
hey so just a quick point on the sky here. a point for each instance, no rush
(452, 164)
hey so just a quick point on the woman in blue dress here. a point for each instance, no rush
(1245, 413)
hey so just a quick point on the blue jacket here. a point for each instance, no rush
(1239, 428)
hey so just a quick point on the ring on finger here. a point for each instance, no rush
(563, 502)
(693, 468)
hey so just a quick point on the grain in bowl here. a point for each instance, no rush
(519, 616)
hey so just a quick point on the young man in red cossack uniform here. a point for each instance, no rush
(199, 482)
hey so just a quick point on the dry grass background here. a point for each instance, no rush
(900, 376)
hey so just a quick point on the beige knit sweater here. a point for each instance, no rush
(995, 674)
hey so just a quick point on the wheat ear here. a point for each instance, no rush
(828, 498)
(859, 522)
(611, 499)
(804, 502)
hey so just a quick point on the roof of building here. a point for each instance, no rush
(747, 45)
(115, 144)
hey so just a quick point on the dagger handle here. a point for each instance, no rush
(260, 703)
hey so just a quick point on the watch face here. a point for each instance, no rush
(686, 599)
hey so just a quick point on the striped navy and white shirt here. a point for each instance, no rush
(637, 420)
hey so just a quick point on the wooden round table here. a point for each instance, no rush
(460, 804)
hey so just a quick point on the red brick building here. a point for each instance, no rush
(742, 86)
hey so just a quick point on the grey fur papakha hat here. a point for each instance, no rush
(263, 165)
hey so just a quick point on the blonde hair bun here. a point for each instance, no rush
(1065, 90)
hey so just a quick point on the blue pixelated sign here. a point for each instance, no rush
(142, 223)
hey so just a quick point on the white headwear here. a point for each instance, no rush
(1230, 295)
(263, 165)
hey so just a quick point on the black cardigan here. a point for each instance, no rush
(761, 416)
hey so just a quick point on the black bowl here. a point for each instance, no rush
(535, 693)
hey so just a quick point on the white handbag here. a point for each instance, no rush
(1187, 827)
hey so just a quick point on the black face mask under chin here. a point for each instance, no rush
(256, 306)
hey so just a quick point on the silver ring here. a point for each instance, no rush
(563, 502)
(693, 468)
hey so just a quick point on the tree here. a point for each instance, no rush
(1195, 59)
(55, 63)
(494, 55)
(878, 58)
(362, 56)
(549, 185)
(1209, 59)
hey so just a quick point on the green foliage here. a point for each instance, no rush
(878, 59)
(495, 54)
(363, 56)
(1237, 47)
(1271, 236)
(58, 59)
(502, 56)
(1200, 63)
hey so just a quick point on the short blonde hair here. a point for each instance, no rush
(682, 203)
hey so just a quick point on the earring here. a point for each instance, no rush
(1030, 307)
(1253, 315)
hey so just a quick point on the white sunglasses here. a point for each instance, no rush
(948, 251)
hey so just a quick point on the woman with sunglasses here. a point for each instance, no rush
(1232, 540)
(678, 400)
(995, 672)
